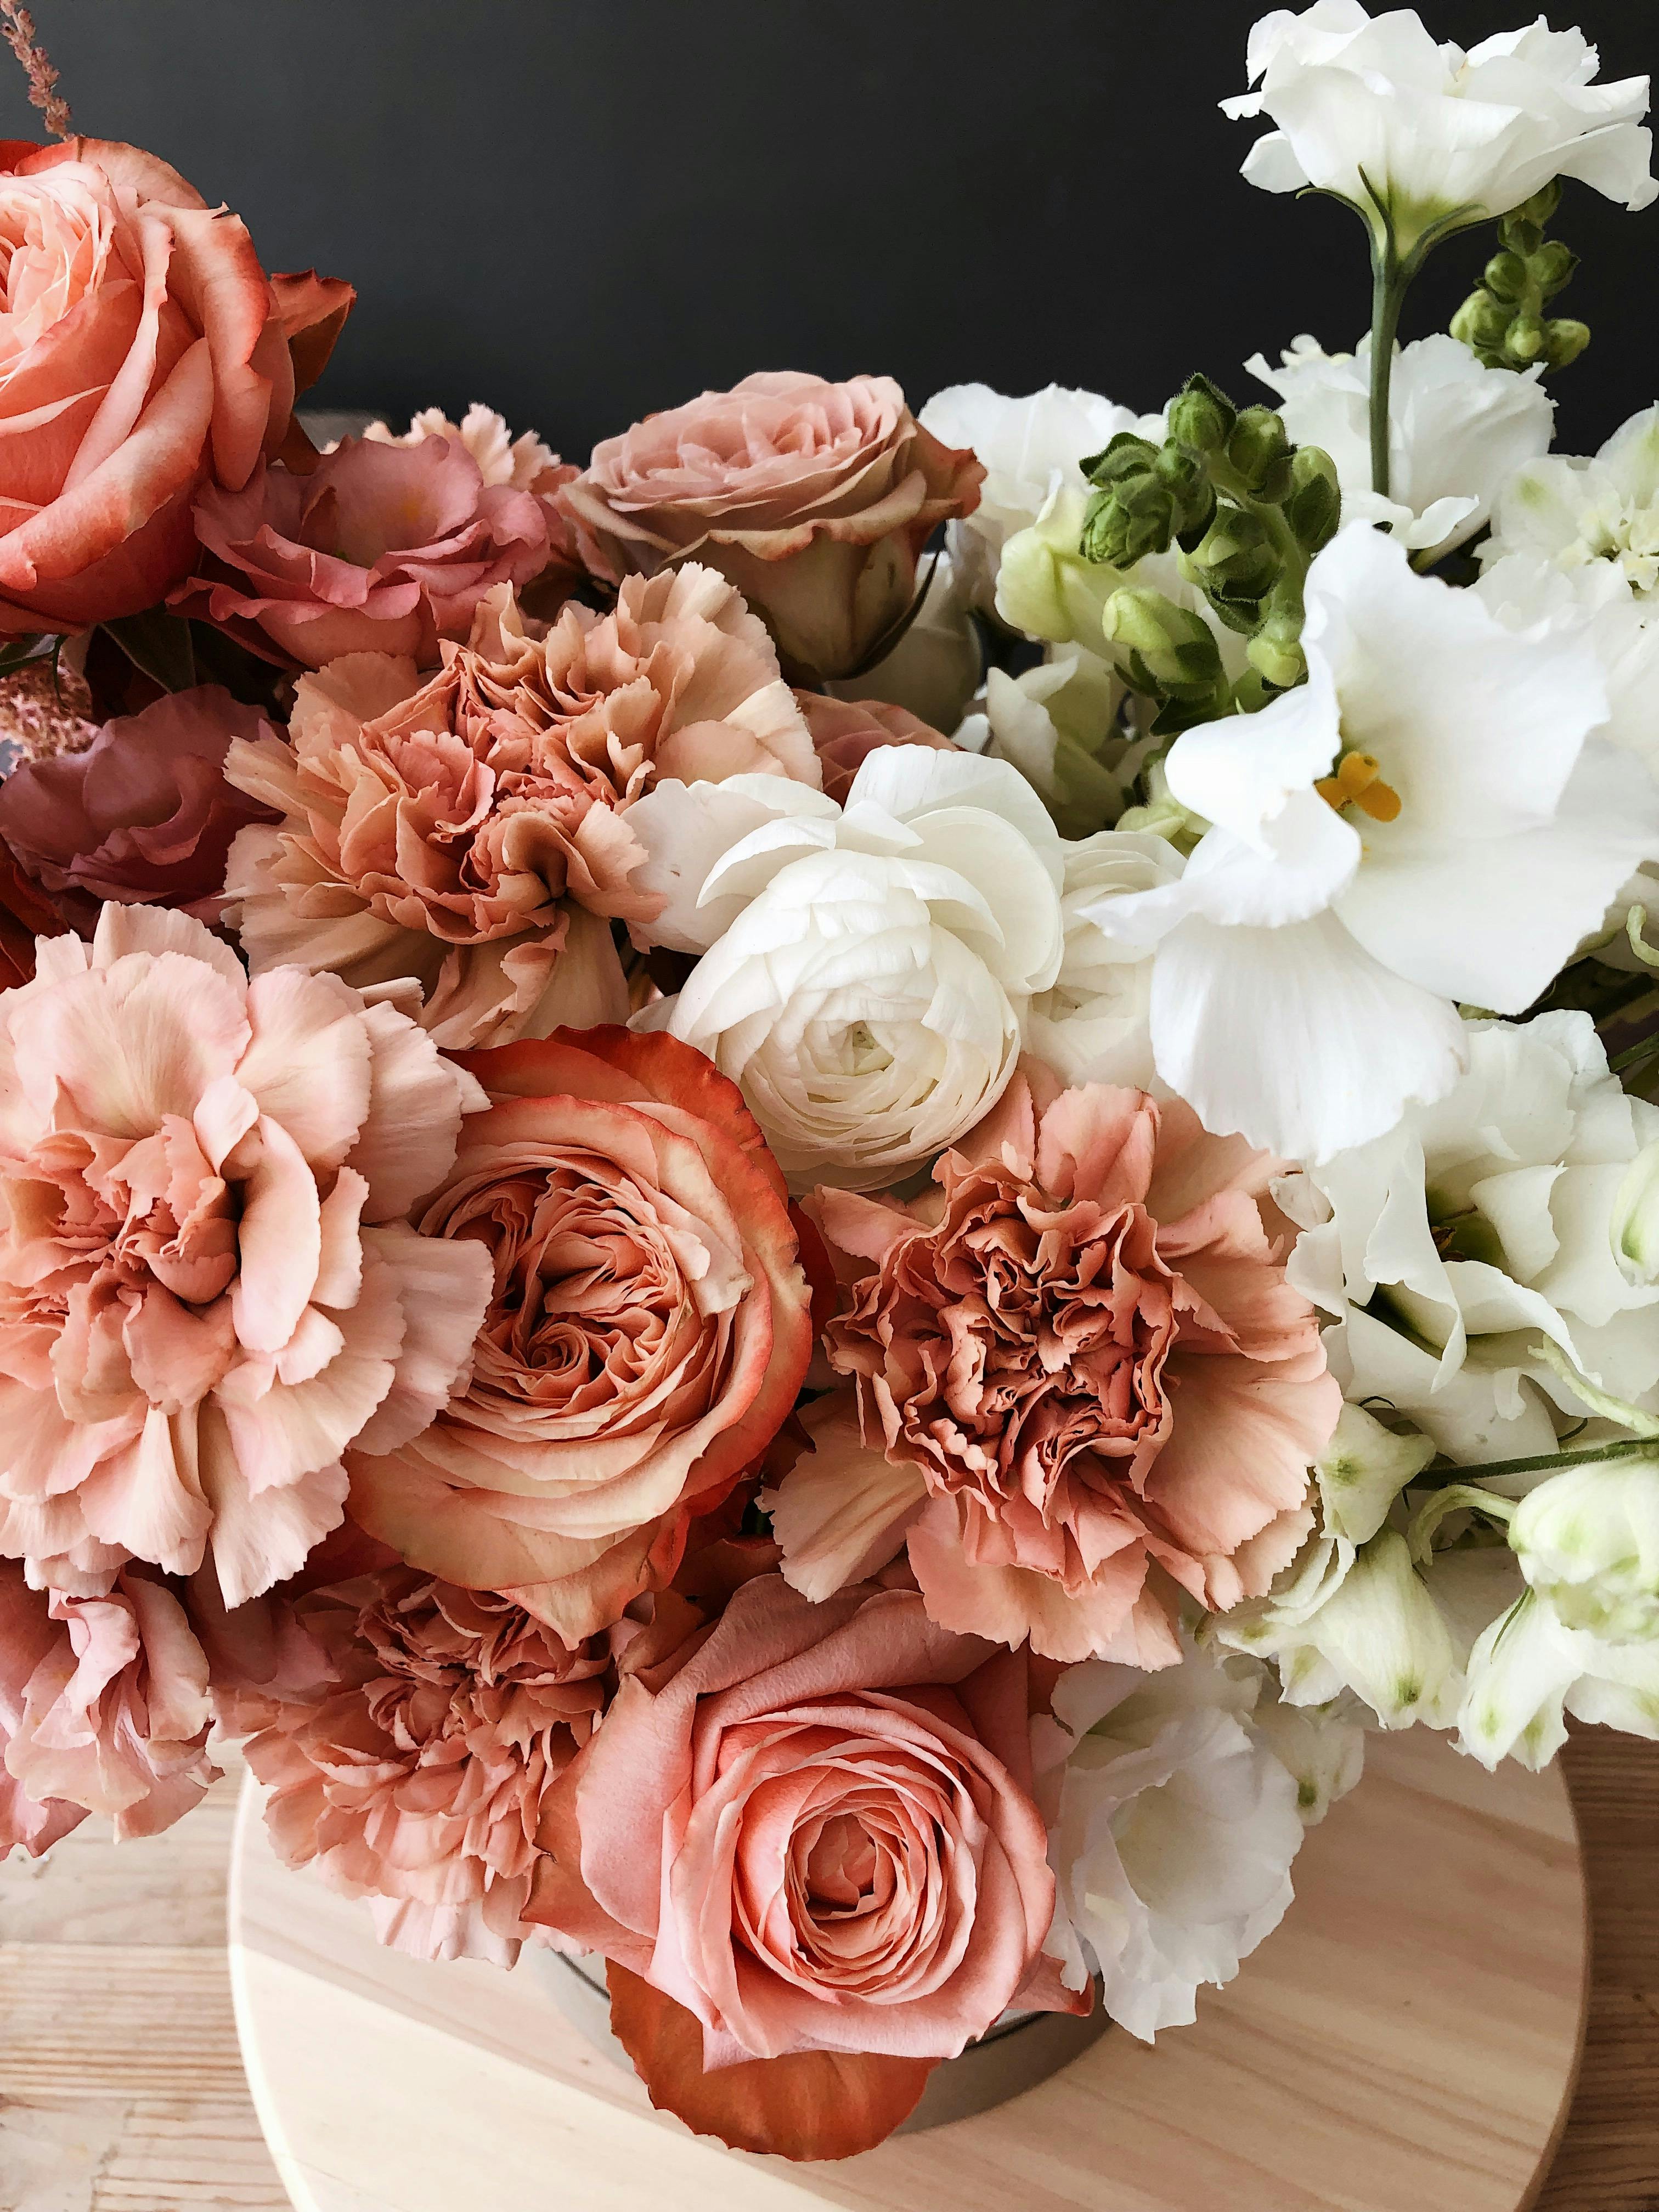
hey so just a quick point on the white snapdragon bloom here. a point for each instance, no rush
(1451, 1245)
(1173, 1822)
(1057, 724)
(1428, 819)
(1374, 111)
(1456, 432)
(1029, 446)
(1575, 543)
(1093, 1025)
(866, 968)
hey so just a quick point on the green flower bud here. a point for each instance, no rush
(1118, 530)
(1261, 451)
(1315, 506)
(1526, 339)
(1203, 417)
(1588, 1541)
(1166, 648)
(1552, 266)
(1128, 455)
(1540, 208)
(1275, 652)
(1506, 275)
(1482, 324)
(1234, 559)
(1523, 237)
(1563, 340)
(1044, 585)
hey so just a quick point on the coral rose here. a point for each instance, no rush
(113, 1716)
(382, 548)
(415, 1775)
(1083, 1348)
(207, 1287)
(815, 499)
(472, 831)
(144, 815)
(647, 1331)
(805, 1838)
(141, 347)
(846, 731)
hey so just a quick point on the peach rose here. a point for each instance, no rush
(113, 1716)
(472, 831)
(815, 499)
(142, 348)
(807, 1838)
(1082, 1354)
(415, 1774)
(846, 731)
(381, 549)
(144, 815)
(647, 1335)
(208, 1288)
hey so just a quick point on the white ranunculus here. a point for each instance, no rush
(1057, 724)
(866, 968)
(1588, 1541)
(1575, 544)
(1428, 819)
(1172, 1825)
(1092, 1024)
(1528, 1671)
(1028, 446)
(1373, 110)
(1457, 431)
(1451, 1245)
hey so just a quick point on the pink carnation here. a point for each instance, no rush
(416, 1774)
(383, 549)
(208, 1289)
(1081, 1358)
(112, 1716)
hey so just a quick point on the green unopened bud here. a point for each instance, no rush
(1315, 506)
(1505, 275)
(1119, 531)
(1635, 1225)
(1235, 557)
(1044, 586)
(1275, 652)
(1262, 451)
(1538, 210)
(1202, 416)
(1482, 324)
(1166, 649)
(1526, 338)
(1552, 266)
(1523, 237)
(1127, 455)
(1563, 340)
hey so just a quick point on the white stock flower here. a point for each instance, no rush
(1588, 1541)
(864, 969)
(1092, 1024)
(1575, 544)
(1057, 724)
(1456, 431)
(1422, 822)
(1172, 1825)
(1373, 110)
(1455, 1242)
(1028, 446)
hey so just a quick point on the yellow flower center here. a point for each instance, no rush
(1359, 782)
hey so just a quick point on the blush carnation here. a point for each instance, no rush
(846, 731)
(1083, 1348)
(112, 1717)
(472, 831)
(648, 1330)
(414, 1776)
(382, 548)
(142, 815)
(208, 1289)
(815, 499)
(807, 1838)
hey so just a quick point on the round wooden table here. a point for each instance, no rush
(1405, 2042)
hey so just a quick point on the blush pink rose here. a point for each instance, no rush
(846, 731)
(208, 1285)
(1081, 1354)
(382, 548)
(114, 1717)
(648, 1328)
(416, 1771)
(807, 1833)
(142, 349)
(815, 499)
(525, 463)
(142, 815)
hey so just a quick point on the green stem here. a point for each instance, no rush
(1628, 1448)
(1390, 281)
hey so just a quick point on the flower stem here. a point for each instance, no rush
(1389, 280)
(1547, 1463)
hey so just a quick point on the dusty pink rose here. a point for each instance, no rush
(415, 1773)
(144, 815)
(1080, 1350)
(815, 499)
(472, 831)
(382, 548)
(523, 462)
(648, 1327)
(114, 1717)
(846, 731)
(208, 1288)
(811, 1830)
(142, 349)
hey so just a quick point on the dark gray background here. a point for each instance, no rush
(581, 210)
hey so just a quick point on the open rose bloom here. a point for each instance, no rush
(805, 1199)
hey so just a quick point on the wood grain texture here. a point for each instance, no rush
(94, 2142)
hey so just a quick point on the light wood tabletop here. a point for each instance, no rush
(121, 2087)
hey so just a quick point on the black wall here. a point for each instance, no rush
(581, 210)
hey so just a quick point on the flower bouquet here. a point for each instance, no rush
(803, 1205)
